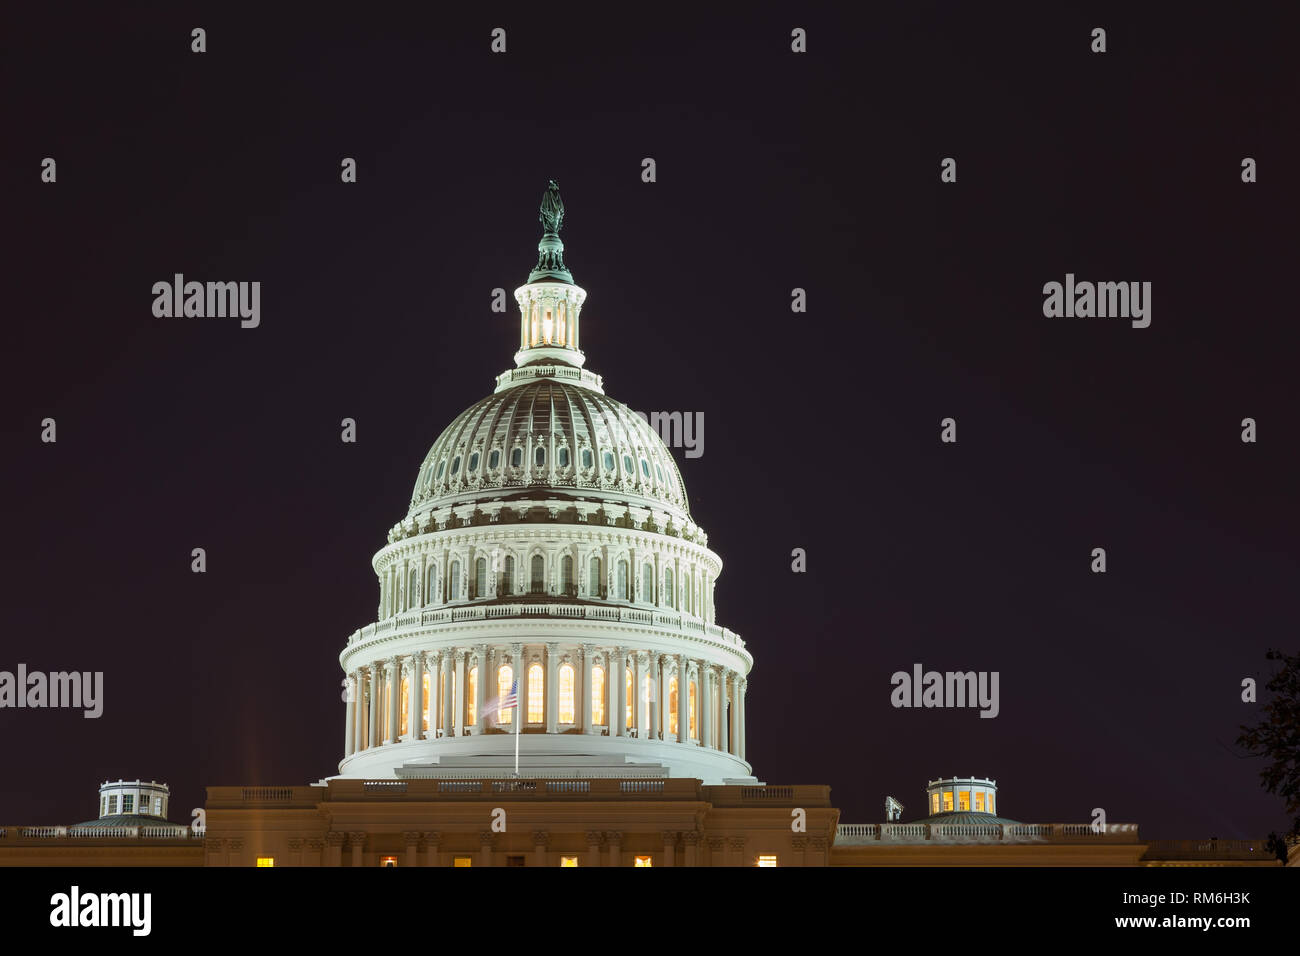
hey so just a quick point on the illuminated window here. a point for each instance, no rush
(562, 457)
(112, 804)
(648, 583)
(383, 705)
(979, 801)
(672, 705)
(494, 459)
(668, 587)
(586, 458)
(566, 574)
(128, 802)
(462, 861)
(631, 711)
(642, 861)
(405, 706)
(453, 590)
(690, 703)
(568, 861)
(424, 717)
(947, 801)
(593, 588)
(510, 574)
(471, 695)
(266, 861)
(517, 458)
(413, 589)
(548, 324)
(963, 800)
(990, 801)
(620, 579)
(536, 702)
(566, 694)
(505, 679)
(480, 578)
(538, 572)
(598, 695)
(157, 806)
(768, 860)
(934, 803)
(473, 462)
(388, 861)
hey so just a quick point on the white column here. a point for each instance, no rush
(655, 695)
(415, 708)
(724, 742)
(705, 702)
(459, 696)
(349, 721)
(740, 718)
(585, 669)
(683, 701)
(393, 725)
(638, 694)
(374, 732)
(552, 689)
(617, 668)
(480, 688)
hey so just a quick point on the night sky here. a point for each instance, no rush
(774, 171)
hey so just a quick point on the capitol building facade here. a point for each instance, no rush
(548, 542)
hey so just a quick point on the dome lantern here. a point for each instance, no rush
(550, 302)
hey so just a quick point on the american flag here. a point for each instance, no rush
(511, 699)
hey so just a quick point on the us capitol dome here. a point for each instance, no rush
(548, 541)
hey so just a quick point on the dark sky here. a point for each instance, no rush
(775, 170)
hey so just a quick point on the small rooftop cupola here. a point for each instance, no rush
(550, 303)
(962, 795)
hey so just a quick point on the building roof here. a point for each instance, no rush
(964, 817)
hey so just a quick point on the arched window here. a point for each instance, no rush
(566, 575)
(562, 313)
(536, 583)
(598, 695)
(629, 469)
(539, 457)
(609, 461)
(480, 578)
(431, 585)
(473, 462)
(620, 589)
(517, 458)
(510, 575)
(562, 458)
(536, 695)
(690, 704)
(668, 587)
(471, 695)
(586, 458)
(405, 706)
(453, 587)
(455, 466)
(413, 589)
(672, 705)
(648, 584)
(593, 588)
(494, 459)
(566, 715)
(505, 678)
(441, 467)
(629, 699)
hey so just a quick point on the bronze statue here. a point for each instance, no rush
(552, 214)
